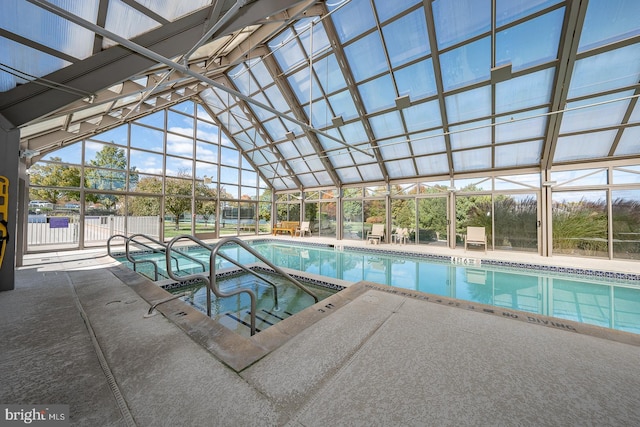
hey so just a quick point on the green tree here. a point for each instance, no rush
(109, 172)
(55, 177)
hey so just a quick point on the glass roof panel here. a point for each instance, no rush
(432, 165)
(428, 142)
(470, 63)
(329, 74)
(261, 113)
(607, 22)
(400, 168)
(422, 116)
(387, 9)
(287, 50)
(23, 62)
(629, 142)
(394, 148)
(277, 100)
(417, 80)
(172, 9)
(318, 38)
(320, 115)
(307, 180)
(605, 71)
(511, 10)
(514, 45)
(212, 99)
(598, 116)
(370, 172)
(585, 146)
(350, 174)
(260, 72)
(353, 18)
(300, 83)
(243, 80)
(468, 105)
(471, 159)
(519, 126)
(406, 39)
(470, 135)
(526, 91)
(49, 29)
(378, 94)
(457, 21)
(342, 105)
(275, 129)
(386, 125)
(522, 154)
(366, 57)
(126, 22)
(341, 160)
(304, 146)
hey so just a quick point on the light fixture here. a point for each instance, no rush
(290, 136)
(403, 102)
(337, 121)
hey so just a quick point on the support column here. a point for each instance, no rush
(9, 153)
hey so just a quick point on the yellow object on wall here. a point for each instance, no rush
(4, 215)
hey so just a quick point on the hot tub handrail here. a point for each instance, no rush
(257, 254)
(132, 260)
(164, 247)
(210, 281)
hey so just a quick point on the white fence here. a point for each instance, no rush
(43, 230)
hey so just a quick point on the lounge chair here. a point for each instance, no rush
(475, 236)
(302, 229)
(376, 235)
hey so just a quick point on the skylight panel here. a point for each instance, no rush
(126, 22)
(584, 146)
(308, 180)
(378, 94)
(519, 126)
(173, 9)
(352, 19)
(243, 80)
(329, 74)
(400, 168)
(301, 83)
(287, 50)
(366, 57)
(417, 80)
(432, 165)
(469, 105)
(422, 116)
(467, 64)
(319, 113)
(460, 20)
(530, 43)
(511, 10)
(607, 22)
(428, 142)
(24, 63)
(470, 160)
(606, 71)
(371, 172)
(276, 99)
(629, 142)
(386, 125)
(388, 9)
(342, 105)
(260, 72)
(470, 135)
(515, 155)
(275, 129)
(525, 91)
(406, 39)
(394, 148)
(316, 38)
(607, 114)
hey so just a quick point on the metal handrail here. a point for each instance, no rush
(133, 261)
(211, 280)
(164, 246)
(208, 281)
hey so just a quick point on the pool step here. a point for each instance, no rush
(241, 321)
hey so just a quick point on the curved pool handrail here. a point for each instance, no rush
(210, 281)
(257, 254)
(132, 260)
(164, 246)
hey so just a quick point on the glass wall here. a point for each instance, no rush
(515, 219)
(626, 223)
(115, 183)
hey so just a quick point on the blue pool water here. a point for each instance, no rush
(593, 299)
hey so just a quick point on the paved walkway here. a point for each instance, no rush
(74, 332)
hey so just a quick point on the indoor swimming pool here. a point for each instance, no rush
(599, 298)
